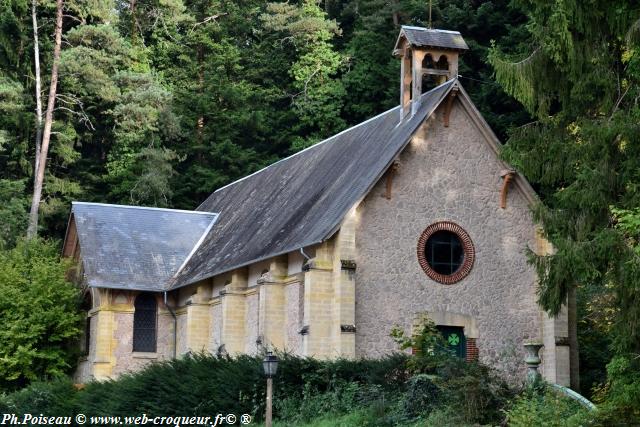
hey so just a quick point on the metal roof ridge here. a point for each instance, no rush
(411, 27)
(145, 208)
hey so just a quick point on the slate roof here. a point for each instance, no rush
(301, 200)
(136, 248)
(426, 37)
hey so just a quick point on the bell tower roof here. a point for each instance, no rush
(430, 39)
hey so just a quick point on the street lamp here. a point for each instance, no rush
(270, 365)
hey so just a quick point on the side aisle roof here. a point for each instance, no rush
(135, 248)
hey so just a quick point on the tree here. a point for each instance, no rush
(38, 312)
(38, 84)
(317, 97)
(43, 152)
(13, 211)
(579, 80)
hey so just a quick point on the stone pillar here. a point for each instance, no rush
(405, 82)
(293, 294)
(418, 56)
(271, 315)
(197, 328)
(344, 298)
(318, 304)
(233, 312)
(555, 333)
(103, 362)
(104, 319)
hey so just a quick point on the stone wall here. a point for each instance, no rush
(216, 330)
(128, 361)
(251, 321)
(111, 340)
(294, 300)
(447, 174)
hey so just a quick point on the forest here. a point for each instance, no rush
(161, 102)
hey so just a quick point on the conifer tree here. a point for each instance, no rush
(579, 79)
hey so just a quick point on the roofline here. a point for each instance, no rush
(300, 152)
(245, 264)
(494, 143)
(143, 207)
(66, 233)
(411, 27)
(125, 288)
(452, 83)
(205, 233)
(395, 52)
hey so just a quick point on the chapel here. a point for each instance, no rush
(410, 215)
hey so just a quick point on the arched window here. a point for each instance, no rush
(144, 323)
(427, 62)
(443, 63)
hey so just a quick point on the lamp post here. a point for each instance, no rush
(270, 365)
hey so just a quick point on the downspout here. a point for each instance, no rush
(307, 257)
(175, 326)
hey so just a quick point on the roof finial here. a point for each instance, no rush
(430, 1)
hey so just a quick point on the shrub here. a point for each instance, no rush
(443, 381)
(619, 400)
(545, 408)
(38, 313)
(379, 392)
(422, 396)
(54, 398)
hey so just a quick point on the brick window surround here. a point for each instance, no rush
(472, 350)
(467, 246)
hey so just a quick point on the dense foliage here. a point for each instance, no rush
(438, 390)
(202, 385)
(580, 81)
(161, 103)
(38, 314)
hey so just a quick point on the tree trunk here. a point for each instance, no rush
(200, 122)
(32, 230)
(134, 21)
(572, 314)
(36, 59)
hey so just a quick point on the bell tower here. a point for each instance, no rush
(428, 58)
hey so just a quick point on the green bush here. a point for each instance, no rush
(619, 399)
(38, 313)
(203, 385)
(422, 396)
(54, 398)
(546, 407)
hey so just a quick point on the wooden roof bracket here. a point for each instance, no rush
(448, 105)
(507, 176)
(395, 166)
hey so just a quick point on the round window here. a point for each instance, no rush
(445, 252)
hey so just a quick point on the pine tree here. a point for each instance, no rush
(579, 79)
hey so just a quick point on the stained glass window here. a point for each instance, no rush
(144, 323)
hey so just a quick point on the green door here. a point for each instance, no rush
(454, 339)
